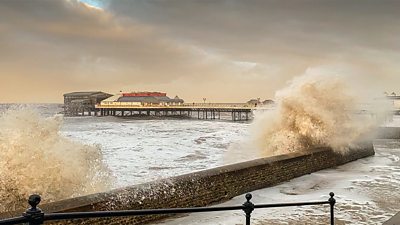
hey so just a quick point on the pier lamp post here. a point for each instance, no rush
(204, 99)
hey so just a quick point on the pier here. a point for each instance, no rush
(204, 111)
(157, 104)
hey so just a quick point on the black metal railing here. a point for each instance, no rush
(35, 216)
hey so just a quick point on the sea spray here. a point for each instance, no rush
(35, 158)
(313, 111)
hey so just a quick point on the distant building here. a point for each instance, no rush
(77, 103)
(254, 102)
(257, 102)
(268, 102)
(395, 100)
(142, 99)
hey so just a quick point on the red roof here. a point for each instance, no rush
(144, 94)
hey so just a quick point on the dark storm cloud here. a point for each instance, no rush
(66, 45)
(74, 34)
(253, 27)
(233, 49)
(285, 37)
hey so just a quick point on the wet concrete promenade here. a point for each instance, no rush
(395, 220)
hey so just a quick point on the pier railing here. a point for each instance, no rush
(35, 216)
(135, 105)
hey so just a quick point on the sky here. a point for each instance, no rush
(222, 50)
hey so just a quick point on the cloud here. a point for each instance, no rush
(229, 50)
(280, 33)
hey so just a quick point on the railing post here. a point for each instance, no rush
(332, 202)
(248, 208)
(34, 214)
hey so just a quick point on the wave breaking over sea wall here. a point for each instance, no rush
(316, 111)
(35, 158)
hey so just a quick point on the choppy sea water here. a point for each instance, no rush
(137, 151)
(367, 192)
(143, 150)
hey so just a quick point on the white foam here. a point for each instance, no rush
(366, 193)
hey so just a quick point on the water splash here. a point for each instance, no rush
(314, 110)
(35, 158)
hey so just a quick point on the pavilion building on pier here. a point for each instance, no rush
(142, 99)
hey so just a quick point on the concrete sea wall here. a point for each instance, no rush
(204, 187)
(388, 133)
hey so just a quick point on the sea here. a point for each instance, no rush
(135, 150)
(141, 150)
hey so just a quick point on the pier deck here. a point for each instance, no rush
(212, 111)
